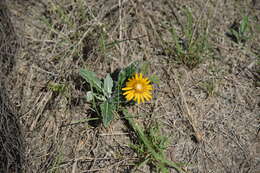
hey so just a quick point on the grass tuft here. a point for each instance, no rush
(239, 32)
(151, 146)
(190, 46)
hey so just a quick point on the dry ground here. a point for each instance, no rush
(210, 113)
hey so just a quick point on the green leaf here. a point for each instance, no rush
(126, 73)
(235, 33)
(145, 67)
(121, 78)
(154, 79)
(243, 25)
(100, 97)
(131, 69)
(89, 96)
(91, 78)
(108, 85)
(107, 112)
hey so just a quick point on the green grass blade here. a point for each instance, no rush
(176, 41)
(149, 146)
(189, 28)
(243, 25)
(236, 34)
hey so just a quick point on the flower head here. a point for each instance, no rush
(138, 89)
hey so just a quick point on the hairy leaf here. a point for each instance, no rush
(108, 85)
(107, 112)
(91, 78)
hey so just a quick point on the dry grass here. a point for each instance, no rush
(209, 113)
(11, 145)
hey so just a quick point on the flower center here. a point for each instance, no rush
(138, 87)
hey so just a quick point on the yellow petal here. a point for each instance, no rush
(138, 98)
(127, 92)
(136, 76)
(142, 98)
(135, 97)
(147, 96)
(130, 83)
(146, 80)
(149, 87)
(127, 88)
(129, 96)
(141, 76)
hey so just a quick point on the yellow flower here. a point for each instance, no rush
(138, 89)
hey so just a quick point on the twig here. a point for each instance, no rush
(190, 116)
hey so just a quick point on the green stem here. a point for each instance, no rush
(145, 140)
